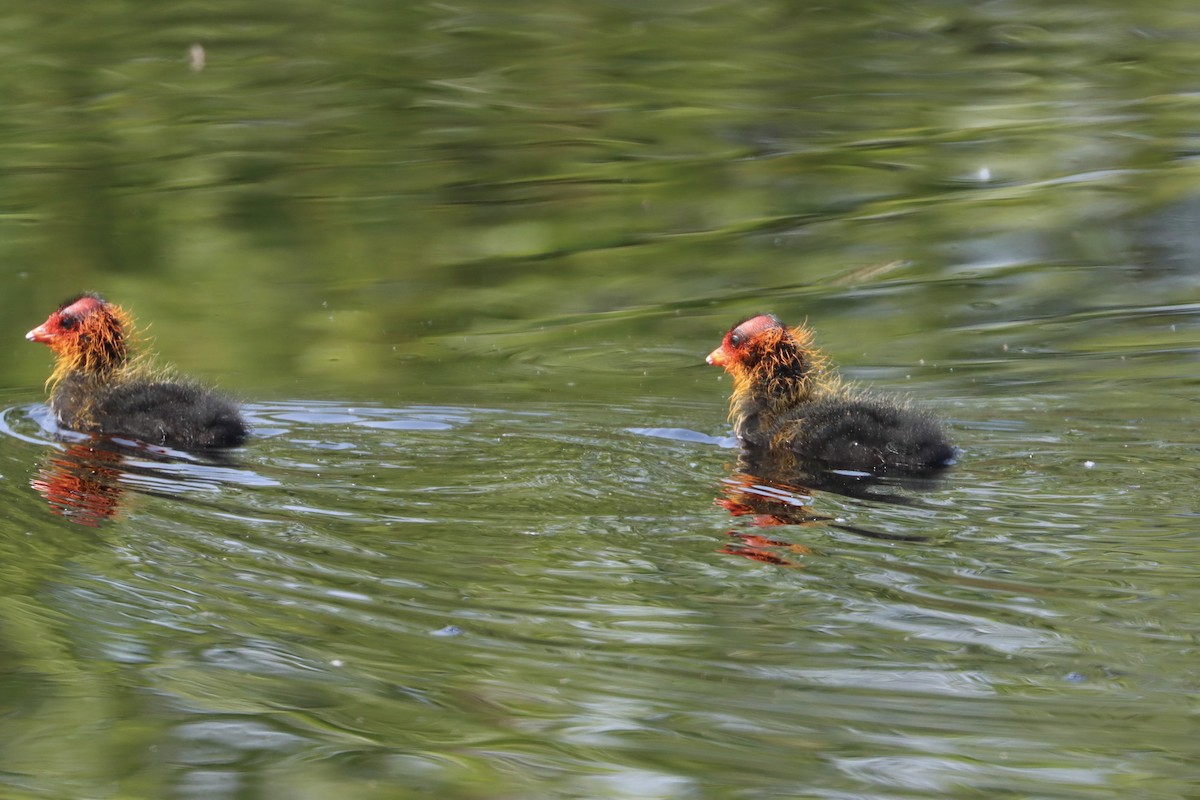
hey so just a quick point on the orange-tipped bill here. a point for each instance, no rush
(40, 334)
(718, 357)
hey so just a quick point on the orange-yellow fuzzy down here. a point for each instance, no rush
(88, 336)
(772, 364)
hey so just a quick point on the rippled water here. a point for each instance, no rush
(491, 538)
(343, 604)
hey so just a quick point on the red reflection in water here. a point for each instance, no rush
(772, 502)
(82, 484)
(769, 505)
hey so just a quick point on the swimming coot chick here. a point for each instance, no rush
(787, 399)
(98, 388)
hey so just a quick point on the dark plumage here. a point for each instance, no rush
(787, 400)
(97, 388)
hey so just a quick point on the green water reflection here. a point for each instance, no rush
(463, 262)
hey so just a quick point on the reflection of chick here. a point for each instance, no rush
(97, 389)
(82, 484)
(786, 400)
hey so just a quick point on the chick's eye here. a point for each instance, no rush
(67, 323)
(736, 339)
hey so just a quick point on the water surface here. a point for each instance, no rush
(462, 265)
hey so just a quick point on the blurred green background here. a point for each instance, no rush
(314, 200)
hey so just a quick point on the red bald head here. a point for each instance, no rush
(744, 339)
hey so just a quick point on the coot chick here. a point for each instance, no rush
(98, 388)
(787, 400)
